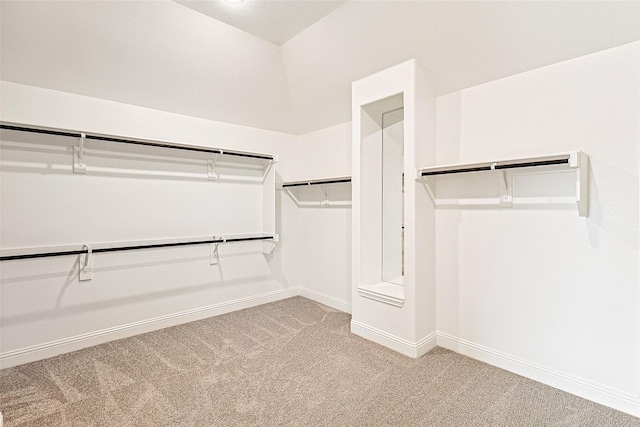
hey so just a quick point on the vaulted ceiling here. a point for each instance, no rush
(288, 65)
(273, 21)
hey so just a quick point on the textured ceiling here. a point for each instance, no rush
(165, 56)
(274, 21)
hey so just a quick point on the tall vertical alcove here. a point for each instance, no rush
(393, 216)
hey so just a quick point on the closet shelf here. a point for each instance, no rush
(338, 180)
(252, 167)
(133, 141)
(569, 159)
(292, 188)
(576, 160)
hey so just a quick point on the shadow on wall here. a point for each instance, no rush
(54, 155)
(616, 219)
(448, 140)
(274, 259)
(117, 274)
(114, 302)
(325, 196)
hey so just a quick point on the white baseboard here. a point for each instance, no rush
(595, 392)
(325, 299)
(66, 345)
(401, 345)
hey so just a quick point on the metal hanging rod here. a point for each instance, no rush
(564, 159)
(317, 182)
(107, 138)
(135, 247)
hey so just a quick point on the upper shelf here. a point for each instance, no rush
(310, 200)
(133, 141)
(571, 160)
(338, 180)
(574, 160)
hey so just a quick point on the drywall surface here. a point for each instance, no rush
(323, 154)
(323, 237)
(136, 194)
(540, 291)
(401, 317)
(540, 286)
(157, 54)
(458, 44)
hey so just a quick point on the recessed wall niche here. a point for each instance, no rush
(393, 275)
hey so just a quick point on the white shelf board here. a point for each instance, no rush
(573, 160)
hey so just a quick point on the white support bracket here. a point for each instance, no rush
(86, 264)
(269, 246)
(268, 167)
(428, 184)
(580, 161)
(506, 191)
(211, 169)
(79, 163)
(214, 257)
(325, 191)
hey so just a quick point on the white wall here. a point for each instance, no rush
(545, 292)
(155, 54)
(458, 44)
(323, 256)
(408, 323)
(542, 292)
(45, 309)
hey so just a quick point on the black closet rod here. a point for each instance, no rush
(135, 142)
(318, 182)
(498, 167)
(132, 248)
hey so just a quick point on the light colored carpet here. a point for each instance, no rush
(292, 362)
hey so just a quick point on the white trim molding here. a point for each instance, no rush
(599, 393)
(388, 293)
(66, 345)
(325, 299)
(401, 345)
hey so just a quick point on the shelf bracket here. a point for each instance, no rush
(211, 169)
(428, 184)
(269, 246)
(214, 257)
(580, 161)
(268, 167)
(325, 190)
(86, 264)
(506, 192)
(79, 163)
